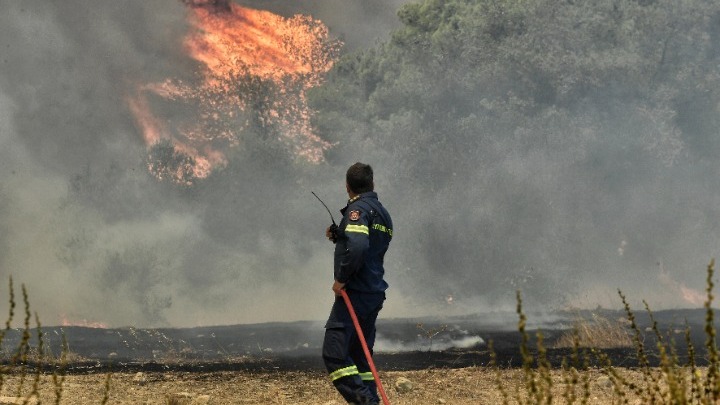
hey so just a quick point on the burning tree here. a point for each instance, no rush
(255, 68)
(165, 162)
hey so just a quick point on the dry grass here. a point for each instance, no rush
(598, 332)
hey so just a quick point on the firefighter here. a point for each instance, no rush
(361, 240)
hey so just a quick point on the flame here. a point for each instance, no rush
(64, 321)
(254, 70)
(689, 295)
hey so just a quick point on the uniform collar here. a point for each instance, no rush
(369, 194)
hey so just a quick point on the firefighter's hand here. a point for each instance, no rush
(337, 286)
(331, 233)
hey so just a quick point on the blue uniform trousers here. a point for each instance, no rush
(342, 351)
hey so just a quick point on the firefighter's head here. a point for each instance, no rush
(359, 178)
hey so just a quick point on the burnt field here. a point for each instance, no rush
(402, 344)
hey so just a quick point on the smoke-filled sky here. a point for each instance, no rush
(95, 238)
(91, 235)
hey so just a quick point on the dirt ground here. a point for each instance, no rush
(474, 385)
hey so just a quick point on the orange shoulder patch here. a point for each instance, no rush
(354, 215)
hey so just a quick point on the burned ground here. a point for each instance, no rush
(403, 344)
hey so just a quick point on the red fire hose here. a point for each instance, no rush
(368, 356)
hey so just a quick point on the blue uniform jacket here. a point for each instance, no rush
(363, 238)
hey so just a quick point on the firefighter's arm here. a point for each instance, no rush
(357, 233)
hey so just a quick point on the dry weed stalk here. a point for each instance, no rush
(27, 360)
(669, 383)
(712, 383)
(498, 374)
(430, 334)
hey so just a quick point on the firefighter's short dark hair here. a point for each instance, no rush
(359, 178)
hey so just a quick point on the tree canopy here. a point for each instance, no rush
(530, 130)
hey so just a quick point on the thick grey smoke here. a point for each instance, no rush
(90, 233)
(94, 237)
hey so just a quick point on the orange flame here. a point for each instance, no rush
(64, 321)
(255, 67)
(689, 295)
